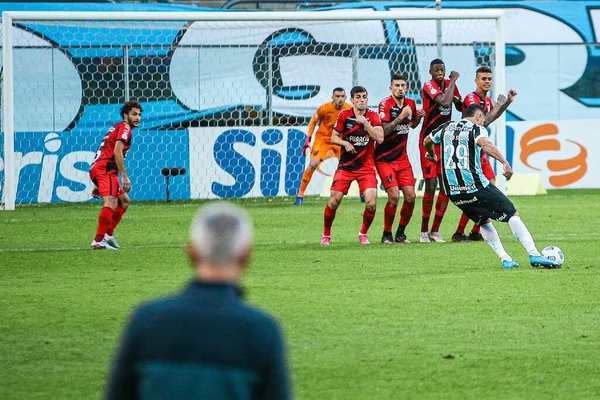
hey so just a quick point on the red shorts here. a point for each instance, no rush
(398, 173)
(429, 168)
(486, 167)
(108, 184)
(365, 177)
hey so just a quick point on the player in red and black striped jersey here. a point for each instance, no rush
(483, 80)
(104, 172)
(398, 114)
(438, 95)
(356, 131)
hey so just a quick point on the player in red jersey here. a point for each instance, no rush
(355, 130)
(104, 172)
(398, 114)
(483, 80)
(438, 95)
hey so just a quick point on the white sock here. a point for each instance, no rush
(522, 234)
(490, 235)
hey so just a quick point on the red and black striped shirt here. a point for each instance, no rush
(394, 145)
(435, 114)
(104, 161)
(351, 131)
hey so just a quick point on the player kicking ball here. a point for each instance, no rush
(461, 143)
(356, 131)
(108, 163)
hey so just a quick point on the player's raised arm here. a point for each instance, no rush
(446, 99)
(120, 161)
(501, 105)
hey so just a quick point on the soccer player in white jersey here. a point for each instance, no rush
(461, 143)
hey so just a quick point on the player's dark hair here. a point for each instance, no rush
(130, 105)
(398, 77)
(358, 89)
(338, 89)
(482, 70)
(472, 110)
(435, 62)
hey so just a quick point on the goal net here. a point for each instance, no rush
(226, 96)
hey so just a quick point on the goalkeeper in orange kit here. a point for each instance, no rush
(322, 148)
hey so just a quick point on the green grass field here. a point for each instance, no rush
(378, 322)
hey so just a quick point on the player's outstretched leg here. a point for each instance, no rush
(459, 235)
(491, 237)
(440, 210)
(522, 234)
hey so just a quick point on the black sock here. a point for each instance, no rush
(400, 230)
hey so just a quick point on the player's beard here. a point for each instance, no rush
(401, 97)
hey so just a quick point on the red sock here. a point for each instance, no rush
(427, 206)
(328, 218)
(406, 212)
(368, 217)
(389, 216)
(476, 228)
(104, 220)
(462, 224)
(440, 209)
(116, 218)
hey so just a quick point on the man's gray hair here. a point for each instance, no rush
(221, 233)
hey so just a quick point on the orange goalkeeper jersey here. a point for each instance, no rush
(326, 115)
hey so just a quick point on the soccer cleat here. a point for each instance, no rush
(299, 201)
(436, 237)
(401, 239)
(424, 238)
(509, 264)
(102, 245)
(460, 237)
(326, 240)
(112, 241)
(476, 237)
(387, 238)
(363, 239)
(362, 198)
(542, 262)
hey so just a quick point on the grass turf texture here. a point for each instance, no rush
(373, 322)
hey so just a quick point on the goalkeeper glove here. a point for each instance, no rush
(306, 147)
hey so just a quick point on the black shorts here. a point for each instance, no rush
(488, 202)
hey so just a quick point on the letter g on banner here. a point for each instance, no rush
(543, 138)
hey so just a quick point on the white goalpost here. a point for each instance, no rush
(226, 95)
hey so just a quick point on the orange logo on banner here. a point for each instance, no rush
(529, 146)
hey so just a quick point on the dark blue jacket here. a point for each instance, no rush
(204, 343)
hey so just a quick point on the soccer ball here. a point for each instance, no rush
(555, 254)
